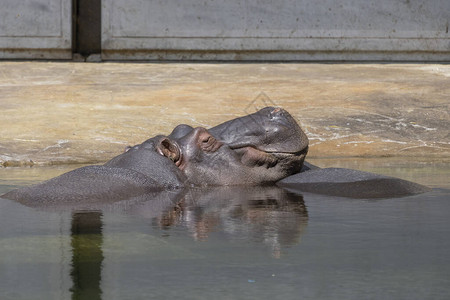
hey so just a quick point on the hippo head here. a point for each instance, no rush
(259, 148)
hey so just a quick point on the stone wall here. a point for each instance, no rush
(232, 30)
(277, 30)
(36, 29)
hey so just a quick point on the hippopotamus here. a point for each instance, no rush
(270, 147)
(263, 148)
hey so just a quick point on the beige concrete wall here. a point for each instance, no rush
(60, 113)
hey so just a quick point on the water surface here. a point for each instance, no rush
(229, 243)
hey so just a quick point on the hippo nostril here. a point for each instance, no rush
(207, 139)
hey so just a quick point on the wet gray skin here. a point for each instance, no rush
(350, 183)
(271, 130)
(260, 148)
(140, 170)
(186, 156)
(147, 159)
(264, 149)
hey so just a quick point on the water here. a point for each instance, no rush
(230, 243)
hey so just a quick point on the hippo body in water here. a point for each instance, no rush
(187, 157)
(349, 183)
(258, 149)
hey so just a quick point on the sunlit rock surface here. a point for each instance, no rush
(59, 113)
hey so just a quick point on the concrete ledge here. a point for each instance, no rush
(54, 54)
(150, 55)
(59, 113)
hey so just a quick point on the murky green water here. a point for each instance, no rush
(231, 243)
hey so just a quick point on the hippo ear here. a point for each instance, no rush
(169, 149)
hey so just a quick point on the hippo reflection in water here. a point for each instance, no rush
(262, 148)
